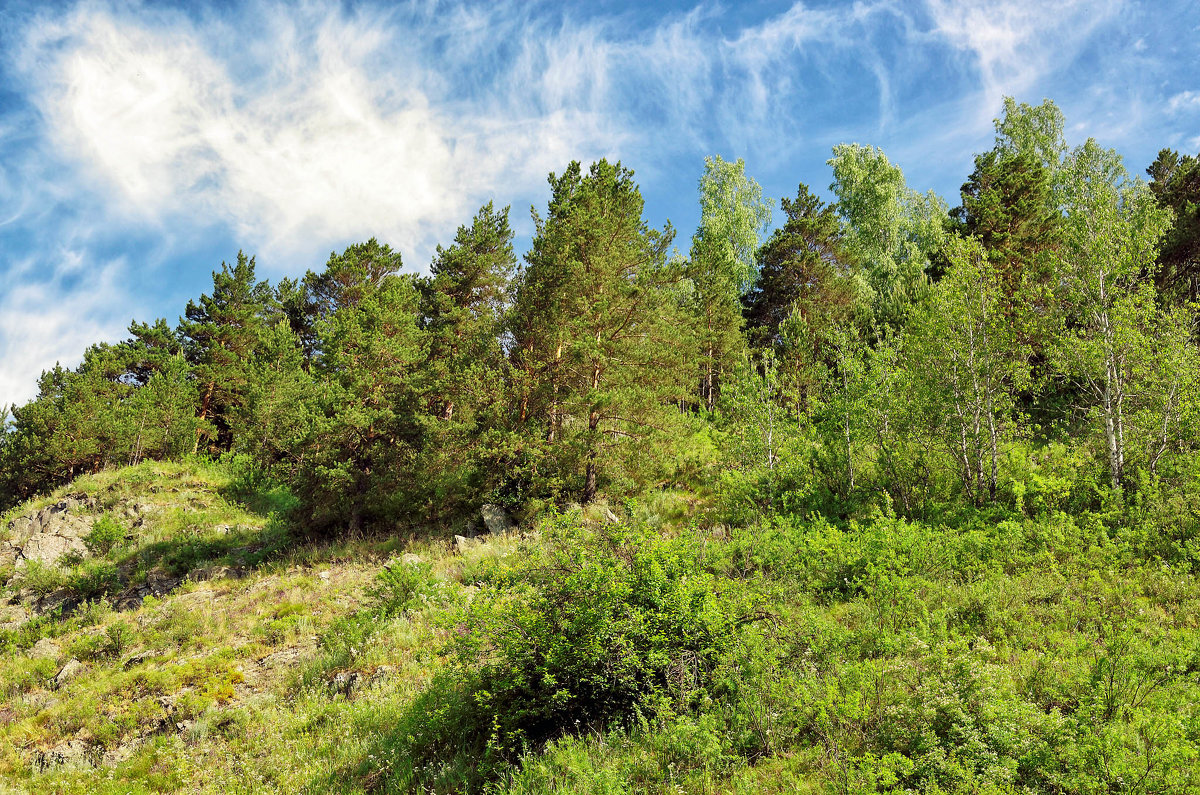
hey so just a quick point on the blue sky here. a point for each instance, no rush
(142, 144)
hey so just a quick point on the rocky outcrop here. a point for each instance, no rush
(497, 520)
(71, 755)
(49, 535)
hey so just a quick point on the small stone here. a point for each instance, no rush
(160, 582)
(72, 669)
(324, 576)
(44, 649)
(115, 756)
(138, 659)
(381, 673)
(346, 682)
(40, 701)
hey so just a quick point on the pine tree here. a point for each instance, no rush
(598, 332)
(465, 371)
(220, 336)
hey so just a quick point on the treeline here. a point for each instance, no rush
(1035, 345)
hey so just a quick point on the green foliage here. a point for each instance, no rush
(600, 352)
(891, 230)
(400, 586)
(106, 533)
(593, 628)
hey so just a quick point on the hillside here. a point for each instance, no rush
(189, 642)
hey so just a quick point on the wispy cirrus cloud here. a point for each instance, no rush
(1184, 101)
(152, 141)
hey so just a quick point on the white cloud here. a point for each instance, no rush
(43, 322)
(325, 148)
(1184, 101)
(1015, 43)
(343, 125)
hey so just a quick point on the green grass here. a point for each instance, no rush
(999, 654)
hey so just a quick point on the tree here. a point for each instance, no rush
(1175, 182)
(73, 426)
(803, 292)
(220, 336)
(1008, 203)
(1165, 416)
(732, 215)
(163, 411)
(598, 340)
(356, 433)
(1112, 228)
(972, 364)
(891, 230)
(1033, 131)
(465, 372)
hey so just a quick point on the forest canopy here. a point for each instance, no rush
(884, 346)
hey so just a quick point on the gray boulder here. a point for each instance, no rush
(497, 520)
(72, 669)
(44, 649)
(48, 535)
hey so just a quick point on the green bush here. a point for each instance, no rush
(400, 585)
(105, 535)
(593, 628)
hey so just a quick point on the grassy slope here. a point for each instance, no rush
(206, 686)
(994, 656)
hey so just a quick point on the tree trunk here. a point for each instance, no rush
(204, 405)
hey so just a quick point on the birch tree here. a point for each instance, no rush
(1112, 229)
(972, 365)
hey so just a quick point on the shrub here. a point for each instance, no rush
(105, 534)
(400, 585)
(594, 628)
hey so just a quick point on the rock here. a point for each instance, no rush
(71, 755)
(324, 575)
(48, 535)
(381, 673)
(50, 549)
(283, 657)
(72, 669)
(346, 682)
(60, 598)
(8, 554)
(137, 659)
(160, 582)
(115, 756)
(130, 599)
(44, 649)
(216, 573)
(462, 543)
(496, 519)
(40, 701)
(13, 616)
(410, 559)
(203, 595)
